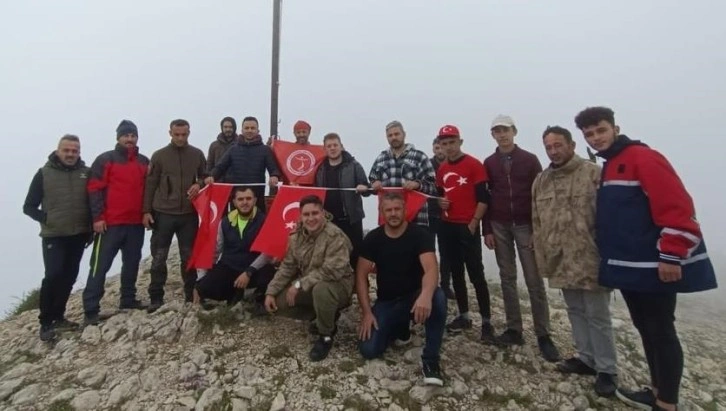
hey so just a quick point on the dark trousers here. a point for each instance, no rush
(354, 231)
(129, 239)
(462, 248)
(62, 259)
(166, 226)
(218, 283)
(444, 268)
(394, 316)
(653, 314)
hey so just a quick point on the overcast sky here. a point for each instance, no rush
(352, 66)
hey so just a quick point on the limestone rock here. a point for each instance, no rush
(10, 386)
(27, 395)
(92, 377)
(278, 404)
(211, 397)
(86, 401)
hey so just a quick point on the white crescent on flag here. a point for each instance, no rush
(289, 207)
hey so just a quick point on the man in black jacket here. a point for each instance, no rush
(237, 267)
(341, 170)
(59, 189)
(246, 162)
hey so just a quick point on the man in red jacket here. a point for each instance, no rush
(508, 231)
(116, 195)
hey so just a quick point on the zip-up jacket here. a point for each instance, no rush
(172, 171)
(646, 216)
(246, 162)
(116, 186)
(350, 174)
(510, 192)
(217, 149)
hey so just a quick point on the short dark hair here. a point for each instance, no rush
(593, 115)
(393, 195)
(559, 131)
(311, 199)
(331, 136)
(436, 141)
(180, 122)
(70, 137)
(250, 118)
(240, 189)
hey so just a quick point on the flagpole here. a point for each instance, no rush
(275, 78)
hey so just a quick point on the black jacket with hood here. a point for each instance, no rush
(350, 175)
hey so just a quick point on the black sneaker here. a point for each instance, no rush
(449, 293)
(606, 384)
(575, 365)
(510, 337)
(458, 325)
(65, 325)
(548, 349)
(91, 319)
(642, 400)
(487, 334)
(154, 306)
(403, 338)
(432, 374)
(321, 348)
(132, 305)
(47, 332)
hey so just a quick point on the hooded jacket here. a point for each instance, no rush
(350, 174)
(220, 146)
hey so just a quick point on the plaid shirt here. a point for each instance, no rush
(411, 165)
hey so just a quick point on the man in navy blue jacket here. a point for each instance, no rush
(651, 248)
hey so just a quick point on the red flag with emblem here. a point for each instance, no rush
(282, 219)
(414, 201)
(298, 163)
(211, 204)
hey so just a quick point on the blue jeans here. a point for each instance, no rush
(394, 316)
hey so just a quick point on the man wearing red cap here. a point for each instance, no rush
(301, 129)
(462, 182)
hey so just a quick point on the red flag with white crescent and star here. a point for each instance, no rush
(211, 205)
(414, 201)
(298, 163)
(282, 219)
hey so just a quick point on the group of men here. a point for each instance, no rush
(630, 226)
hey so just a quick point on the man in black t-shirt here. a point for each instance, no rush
(407, 279)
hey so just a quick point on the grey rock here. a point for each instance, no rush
(92, 377)
(209, 398)
(187, 371)
(65, 395)
(7, 388)
(91, 335)
(27, 395)
(151, 378)
(394, 407)
(565, 387)
(188, 402)
(190, 328)
(459, 387)
(86, 401)
(581, 403)
(249, 372)
(198, 357)
(114, 327)
(413, 355)
(278, 404)
(376, 369)
(422, 394)
(245, 392)
(123, 391)
(239, 405)
(23, 369)
(395, 385)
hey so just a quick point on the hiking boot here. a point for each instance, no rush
(404, 337)
(606, 384)
(91, 319)
(154, 306)
(65, 325)
(458, 325)
(449, 293)
(432, 374)
(132, 305)
(548, 349)
(642, 400)
(575, 365)
(487, 334)
(321, 348)
(47, 332)
(510, 337)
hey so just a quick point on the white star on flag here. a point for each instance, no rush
(461, 180)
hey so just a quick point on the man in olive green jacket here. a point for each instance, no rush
(175, 176)
(59, 189)
(315, 272)
(563, 219)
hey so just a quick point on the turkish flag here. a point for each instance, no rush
(282, 219)
(298, 163)
(211, 205)
(414, 201)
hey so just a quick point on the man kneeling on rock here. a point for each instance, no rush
(238, 268)
(315, 272)
(407, 278)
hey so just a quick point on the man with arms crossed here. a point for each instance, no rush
(407, 280)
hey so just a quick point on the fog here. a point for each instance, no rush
(82, 66)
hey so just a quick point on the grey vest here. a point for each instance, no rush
(65, 200)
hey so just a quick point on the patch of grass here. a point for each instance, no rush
(27, 356)
(222, 316)
(220, 370)
(357, 403)
(263, 405)
(279, 379)
(225, 404)
(29, 301)
(64, 405)
(361, 379)
(316, 372)
(327, 392)
(403, 400)
(347, 366)
(710, 406)
(280, 351)
(502, 399)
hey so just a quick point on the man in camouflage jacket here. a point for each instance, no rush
(315, 272)
(563, 218)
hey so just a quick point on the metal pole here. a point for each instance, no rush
(275, 83)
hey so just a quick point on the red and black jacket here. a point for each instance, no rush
(645, 217)
(116, 186)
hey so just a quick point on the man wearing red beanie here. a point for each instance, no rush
(301, 129)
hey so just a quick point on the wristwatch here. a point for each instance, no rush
(297, 284)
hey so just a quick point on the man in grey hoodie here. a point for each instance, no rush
(223, 142)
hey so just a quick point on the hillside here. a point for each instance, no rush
(183, 358)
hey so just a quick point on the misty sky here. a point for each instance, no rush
(352, 66)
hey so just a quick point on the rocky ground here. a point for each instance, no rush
(183, 358)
